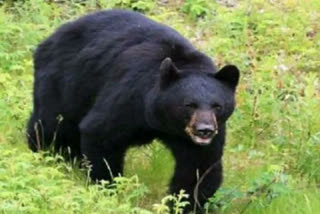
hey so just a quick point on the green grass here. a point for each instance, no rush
(272, 156)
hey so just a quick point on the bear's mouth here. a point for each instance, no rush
(203, 137)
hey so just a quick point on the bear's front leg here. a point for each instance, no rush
(106, 160)
(198, 171)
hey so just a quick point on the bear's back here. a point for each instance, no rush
(112, 30)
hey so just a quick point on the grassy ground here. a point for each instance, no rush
(272, 156)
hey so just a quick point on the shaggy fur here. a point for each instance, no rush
(119, 79)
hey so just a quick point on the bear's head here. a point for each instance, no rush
(192, 104)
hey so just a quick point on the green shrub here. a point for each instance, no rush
(196, 8)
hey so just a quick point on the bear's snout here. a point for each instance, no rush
(202, 127)
(204, 130)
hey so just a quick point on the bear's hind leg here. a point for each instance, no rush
(53, 131)
(105, 162)
(33, 135)
(40, 134)
(67, 140)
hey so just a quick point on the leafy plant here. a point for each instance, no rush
(263, 190)
(140, 5)
(178, 203)
(196, 8)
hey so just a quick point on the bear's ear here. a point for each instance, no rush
(168, 72)
(229, 75)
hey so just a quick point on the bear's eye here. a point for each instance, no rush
(216, 107)
(191, 105)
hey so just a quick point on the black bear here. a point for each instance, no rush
(119, 79)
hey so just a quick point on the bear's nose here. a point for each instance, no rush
(204, 130)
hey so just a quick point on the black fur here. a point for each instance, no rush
(102, 74)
